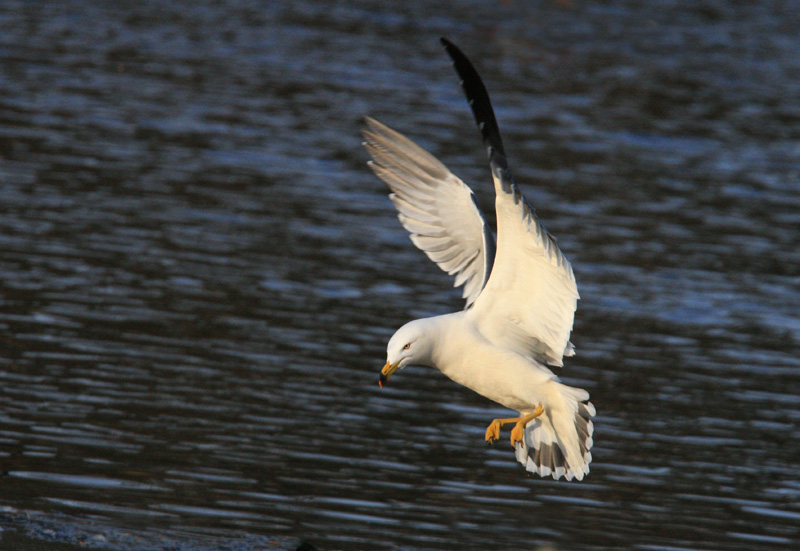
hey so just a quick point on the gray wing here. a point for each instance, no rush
(436, 207)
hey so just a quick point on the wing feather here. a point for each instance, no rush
(529, 302)
(437, 208)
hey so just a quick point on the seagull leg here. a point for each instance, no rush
(519, 429)
(493, 431)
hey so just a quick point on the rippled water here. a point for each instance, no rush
(198, 274)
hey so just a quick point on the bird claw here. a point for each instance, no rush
(493, 431)
(517, 434)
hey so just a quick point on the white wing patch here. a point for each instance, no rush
(529, 302)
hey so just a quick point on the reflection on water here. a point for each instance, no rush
(199, 275)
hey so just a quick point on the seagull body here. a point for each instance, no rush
(438, 342)
(520, 293)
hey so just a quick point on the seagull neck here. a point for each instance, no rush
(441, 332)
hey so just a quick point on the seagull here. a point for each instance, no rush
(520, 292)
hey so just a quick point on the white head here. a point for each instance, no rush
(411, 344)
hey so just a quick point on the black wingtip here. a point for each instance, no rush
(481, 105)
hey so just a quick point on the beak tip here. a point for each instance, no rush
(382, 380)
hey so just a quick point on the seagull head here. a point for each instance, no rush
(410, 344)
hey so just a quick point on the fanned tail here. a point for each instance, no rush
(558, 442)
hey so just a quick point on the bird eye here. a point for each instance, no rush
(406, 347)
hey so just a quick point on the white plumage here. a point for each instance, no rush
(435, 206)
(520, 292)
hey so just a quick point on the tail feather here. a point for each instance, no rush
(558, 442)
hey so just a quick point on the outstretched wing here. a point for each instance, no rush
(437, 208)
(529, 302)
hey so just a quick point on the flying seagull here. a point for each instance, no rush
(520, 293)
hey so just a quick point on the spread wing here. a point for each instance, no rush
(529, 302)
(437, 208)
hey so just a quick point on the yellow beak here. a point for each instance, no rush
(386, 372)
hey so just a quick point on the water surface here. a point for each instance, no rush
(198, 274)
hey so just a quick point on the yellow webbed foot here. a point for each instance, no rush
(517, 434)
(493, 431)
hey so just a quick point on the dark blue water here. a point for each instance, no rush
(199, 274)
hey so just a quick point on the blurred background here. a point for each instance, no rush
(199, 274)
